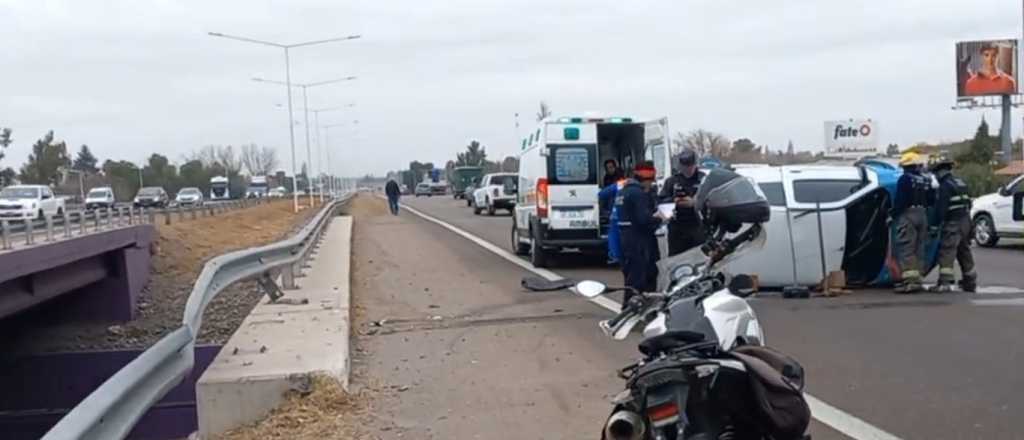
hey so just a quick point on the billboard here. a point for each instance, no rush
(986, 68)
(852, 137)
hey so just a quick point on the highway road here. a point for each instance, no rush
(475, 357)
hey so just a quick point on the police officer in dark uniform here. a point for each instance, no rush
(914, 194)
(684, 231)
(636, 206)
(953, 209)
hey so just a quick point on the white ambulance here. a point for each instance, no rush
(561, 167)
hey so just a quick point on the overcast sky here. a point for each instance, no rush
(130, 78)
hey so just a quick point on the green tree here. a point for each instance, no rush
(892, 150)
(160, 172)
(45, 161)
(743, 146)
(123, 176)
(85, 161)
(7, 176)
(194, 173)
(982, 147)
(5, 140)
(475, 155)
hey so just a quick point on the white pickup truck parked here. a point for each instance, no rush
(999, 215)
(26, 202)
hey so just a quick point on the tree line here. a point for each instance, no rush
(49, 163)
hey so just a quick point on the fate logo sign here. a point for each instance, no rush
(842, 131)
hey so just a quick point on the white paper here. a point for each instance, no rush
(666, 210)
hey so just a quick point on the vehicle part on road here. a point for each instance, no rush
(110, 411)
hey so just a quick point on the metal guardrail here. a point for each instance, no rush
(108, 218)
(113, 409)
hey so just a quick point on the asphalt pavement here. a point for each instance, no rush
(923, 366)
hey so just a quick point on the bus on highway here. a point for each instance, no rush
(463, 177)
(220, 188)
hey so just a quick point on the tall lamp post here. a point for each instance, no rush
(288, 83)
(319, 149)
(327, 139)
(305, 109)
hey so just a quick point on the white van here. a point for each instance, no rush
(560, 170)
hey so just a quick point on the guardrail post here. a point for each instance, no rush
(288, 277)
(167, 217)
(152, 215)
(181, 214)
(67, 224)
(131, 215)
(81, 222)
(49, 228)
(5, 227)
(121, 220)
(193, 213)
(30, 231)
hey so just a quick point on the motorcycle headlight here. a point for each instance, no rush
(682, 272)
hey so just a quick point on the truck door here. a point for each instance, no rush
(656, 142)
(1010, 212)
(830, 191)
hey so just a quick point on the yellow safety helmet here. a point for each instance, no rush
(910, 158)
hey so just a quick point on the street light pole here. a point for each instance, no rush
(288, 84)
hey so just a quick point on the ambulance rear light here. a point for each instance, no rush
(542, 198)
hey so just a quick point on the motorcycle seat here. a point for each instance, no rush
(669, 340)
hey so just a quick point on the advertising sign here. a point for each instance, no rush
(986, 68)
(852, 137)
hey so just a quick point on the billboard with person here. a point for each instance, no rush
(986, 68)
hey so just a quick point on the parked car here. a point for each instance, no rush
(277, 193)
(27, 202)
(101, 197)
(423, 189)
(190, 196)
(855, 237)
(999, 215)
(491, 194)
(151, 197)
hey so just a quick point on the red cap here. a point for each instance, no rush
(644, 171)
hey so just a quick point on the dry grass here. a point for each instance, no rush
(326, 411)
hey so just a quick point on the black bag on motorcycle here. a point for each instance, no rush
(776, 382)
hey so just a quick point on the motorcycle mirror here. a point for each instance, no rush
(742, 285)
(590, 289)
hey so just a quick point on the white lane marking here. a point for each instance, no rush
(998, 302)
(834, 417)
(999, 290)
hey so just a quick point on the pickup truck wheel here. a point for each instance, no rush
(469, 203)
(476, 209)
(538, 256)
(490, 208)
(41, 215)
(60, 212)
(985, 231)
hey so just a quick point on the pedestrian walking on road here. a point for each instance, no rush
(953, 209)
(914, 194)
(684, 231)
(393, 192)
(637, 208)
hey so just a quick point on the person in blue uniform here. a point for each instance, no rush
(607, 197)
(637, 206)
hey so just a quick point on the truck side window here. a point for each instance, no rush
(774, 193)
(46, 194)
(823, 190)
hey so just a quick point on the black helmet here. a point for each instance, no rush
(728, 200)
(687, 157)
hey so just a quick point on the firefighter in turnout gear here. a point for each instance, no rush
(914, 194)
(953, 210)
(636, 207)
(684, 230)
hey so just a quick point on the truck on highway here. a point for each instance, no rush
(462, 177)
(258, 187)
(220, 188)
(27, 202)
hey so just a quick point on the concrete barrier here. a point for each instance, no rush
(280, 345)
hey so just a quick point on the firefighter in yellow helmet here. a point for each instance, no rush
(953, 210)
(914, 194)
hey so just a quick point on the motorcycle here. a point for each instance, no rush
(705, 373)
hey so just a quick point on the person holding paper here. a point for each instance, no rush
(684, 230)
